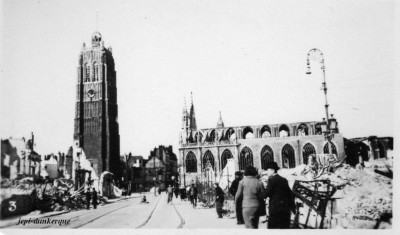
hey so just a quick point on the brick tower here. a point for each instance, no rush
(96, 128)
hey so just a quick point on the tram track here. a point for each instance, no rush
(151, 221)
(117, 207)
(181, 219)
(151, 214)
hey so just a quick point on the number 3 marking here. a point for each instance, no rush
(13, 206)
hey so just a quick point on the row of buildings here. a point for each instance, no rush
(158, 169)
(18, 160)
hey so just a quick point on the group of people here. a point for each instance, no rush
(250, 194)
(91, 196)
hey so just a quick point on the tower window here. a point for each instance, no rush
(87, 73)
(96, 72)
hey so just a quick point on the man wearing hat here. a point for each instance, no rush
(281, 198)
(232, 190)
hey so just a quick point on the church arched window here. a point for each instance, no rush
(226, 154)
(96, 72)
(267, 155)
(191, 163)
(87, 73)
(308, 149)
(284, 131)
(245, 158)
(208, 158)
(333, 148)
(288, 157)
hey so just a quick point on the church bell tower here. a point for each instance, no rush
(96, 128)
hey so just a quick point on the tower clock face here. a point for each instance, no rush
(90, 93)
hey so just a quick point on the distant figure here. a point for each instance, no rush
(176, 191)
(281, 198)
(232, 190)
(219, 199)
(159, 190)
(88, 198)
(94, 199)
(169, 191)
(182, 193)
(129, 188)
(193, 195)
(144, 200)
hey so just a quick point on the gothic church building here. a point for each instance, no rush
(288, 144)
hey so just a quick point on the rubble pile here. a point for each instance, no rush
(362, 195)
(61, 196)
(43, 196)
(365, 197)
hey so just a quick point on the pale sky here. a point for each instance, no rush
(246, 59)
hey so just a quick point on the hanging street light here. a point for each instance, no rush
(328, 125)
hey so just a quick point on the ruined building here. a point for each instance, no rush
(208, 150)
(161, 165)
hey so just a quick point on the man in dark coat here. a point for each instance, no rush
(94, 199)
(193, 195)
(219, 199)
(232, 190)
(176, 191)
(169, 192)
(281, 201)
(88, 198)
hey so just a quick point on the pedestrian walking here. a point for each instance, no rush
(176, 191)
(88, 198)
(233, 190)
(250, 191)
(193, 195)
(281, 198)
(94, 199)
(169, 192)
(219, 199)
(182, 193)
(159, 190)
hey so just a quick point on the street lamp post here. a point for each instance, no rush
(328, 126)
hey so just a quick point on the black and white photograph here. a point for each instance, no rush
(192, 115)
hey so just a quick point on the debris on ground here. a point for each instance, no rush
(361, 195)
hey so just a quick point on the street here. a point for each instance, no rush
(131, 213)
